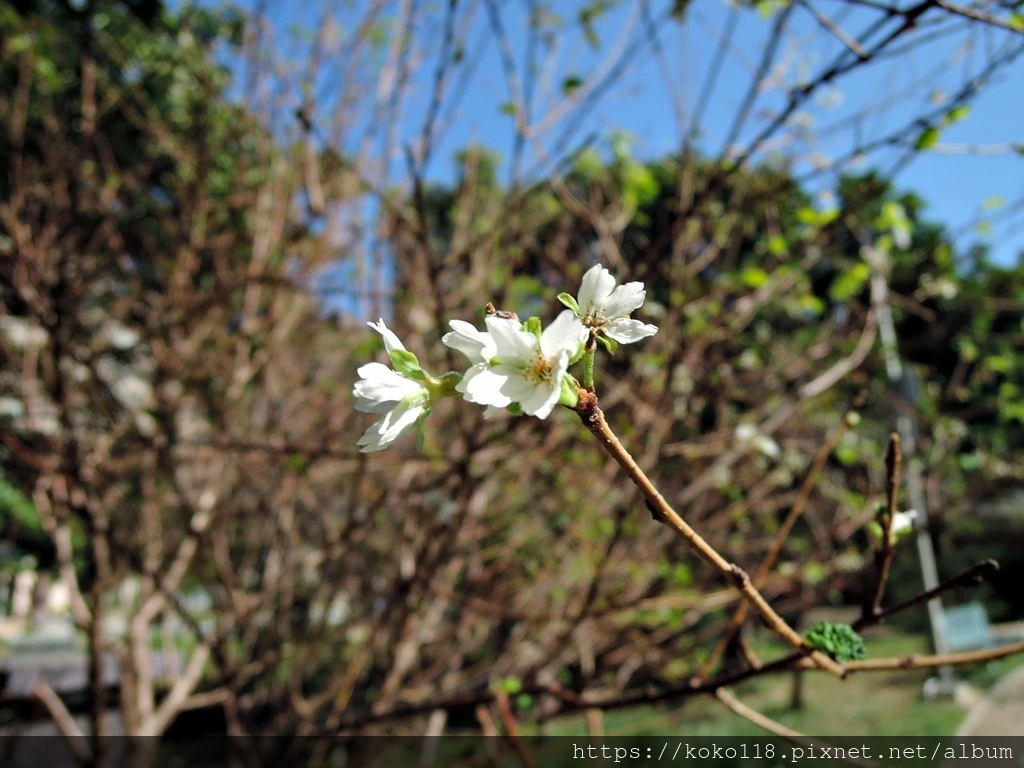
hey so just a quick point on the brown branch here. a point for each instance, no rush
(773, 726)
(65, 722)
(973, 575)
(927, 661)
(740, 615)
(593, 418)
(884, 556)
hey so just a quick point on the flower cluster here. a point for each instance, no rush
(518, 366)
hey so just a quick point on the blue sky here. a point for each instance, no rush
(959, 186)
(963, 178)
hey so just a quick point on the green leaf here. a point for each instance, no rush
(510, 685)
(850, 283)
(571, 84)
(622, 146)
(588, 162)
(405, 363)
(753, 277)
(837, 640)
(955, 115)
(811, 303)
(638, 184)
(682, 575)
(569, 302)
(928, 138)
(777, 245)
(297, 463)
(816, 219)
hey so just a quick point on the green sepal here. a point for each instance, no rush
(533, 326)
(579, 354)
(420, 435)
(448, 383)
(515, 409)
(610, 344)
(570, 302)
(837, 640)
(570, 394)
(405, 363)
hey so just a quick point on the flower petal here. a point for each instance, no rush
(596, 286)
(371, 440)
(482, 385)
(565, 334)
(516, 386)
(390, 427)
(624, 300)
(400, 420)
(541, 401)
(512, 344)
(626, 331)
(391, 341)
(476, 345)
(380, 388)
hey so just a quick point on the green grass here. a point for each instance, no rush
(888, 703)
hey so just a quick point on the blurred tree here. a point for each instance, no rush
(177, 407)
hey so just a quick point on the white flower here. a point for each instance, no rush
(903, 522)
(391, 341)
(478, 346)
(605, 307)
(527, 370)
(401, 400)
(751, 437)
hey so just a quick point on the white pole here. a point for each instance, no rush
(904, 383)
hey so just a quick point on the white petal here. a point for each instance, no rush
(400, 420)
(478, 346)
(627, 331)
(380, 388)
(512, 344)
(482, 385)
(391, 341)
(542, 400)
(597, 285)
(390, 427)
(516, 386)
(491, 413)
(372, 440)
(565, 334)
(746, 432)
(624, 300)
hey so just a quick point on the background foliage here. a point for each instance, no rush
(174, 396)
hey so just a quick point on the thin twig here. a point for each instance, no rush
(593, 418)
(883, 557)
(927, 661)
(973, 575)
(773, 726)
(740, 615)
